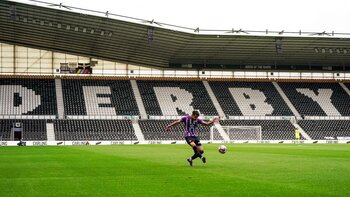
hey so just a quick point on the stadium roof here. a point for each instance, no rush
(111, 37)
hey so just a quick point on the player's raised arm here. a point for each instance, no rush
(210, 122)
(167, 128)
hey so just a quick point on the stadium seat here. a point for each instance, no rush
(270, 129)
(231, 106)
(155, 130)
(41, 90)
(121, 96)
(94, 130)
(299, 95)
(31, 129)
(31, 96)
(195, 89)
(326, 129)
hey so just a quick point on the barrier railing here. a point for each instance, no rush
(101, 117)
(327, 118)
(174, 117)
(261, 117)
(31, 117)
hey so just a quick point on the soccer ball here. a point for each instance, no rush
(222, 149)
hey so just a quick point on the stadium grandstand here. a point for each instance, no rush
(73, 76)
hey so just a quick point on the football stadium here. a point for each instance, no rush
(94, 103)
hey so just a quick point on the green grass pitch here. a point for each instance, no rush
(161, 170)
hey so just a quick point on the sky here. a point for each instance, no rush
(287, 15)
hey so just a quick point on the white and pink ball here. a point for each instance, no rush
(222, 149)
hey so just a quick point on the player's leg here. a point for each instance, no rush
(191, 142)
(195, 149)
(200, 150)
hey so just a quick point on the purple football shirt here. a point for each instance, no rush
(190, 126)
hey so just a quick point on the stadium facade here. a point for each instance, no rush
(70, 77)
